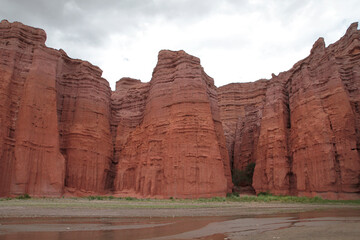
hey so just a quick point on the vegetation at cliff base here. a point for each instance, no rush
(243, 177)
(235, 197)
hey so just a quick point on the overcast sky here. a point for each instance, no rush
(236, 41)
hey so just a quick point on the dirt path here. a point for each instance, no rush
(151, 208)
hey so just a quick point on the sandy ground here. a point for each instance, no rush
(62, 218)
(153, 208)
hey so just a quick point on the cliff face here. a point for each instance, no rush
(128, 103)
(55, 112)
(63, 131)
(241, 106)
(83, 113)
(178, 149)
(305, 129)
(28, 121)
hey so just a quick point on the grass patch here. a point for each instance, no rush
(107, 198)
(5, 199)
(131, 202)
(268, 197)
(24, 197)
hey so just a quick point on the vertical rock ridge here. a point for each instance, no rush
(175, 152)
(241, 106)
(308, 141)
(83, 107)
(272, 163)
(323, 125)
(128, 103)
(28, 149)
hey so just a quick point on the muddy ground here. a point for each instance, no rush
(150, 219)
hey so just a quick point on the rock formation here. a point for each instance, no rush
(29, 143)
(128, 103)
(178, 149)
(303, 133)
(83, 113)
(241, 106)
(55, 132)
(64, 132)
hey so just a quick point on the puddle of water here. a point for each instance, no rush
(100, 228)
(205, 228)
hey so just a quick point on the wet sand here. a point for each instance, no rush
(114, 219)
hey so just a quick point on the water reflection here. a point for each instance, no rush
(100, 228)
(158, 228)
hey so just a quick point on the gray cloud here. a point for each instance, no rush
(134, 29)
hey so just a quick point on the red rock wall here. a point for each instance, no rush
(83, 108)
(176, 151)
(272, 165)
(304, 130)
(241, 106)
(55, 111)
(62, 130)
(324, 154)
(128, 103)
(29, 146)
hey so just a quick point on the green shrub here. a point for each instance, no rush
(130, 198)
(25, 196)
(264, 194)
(243, 177)
(231, 195)
(96, 198)
(5, 199)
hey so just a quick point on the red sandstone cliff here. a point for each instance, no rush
(83, 114)
(62, 130)
(54, 131)
(178, 149)
(303, 133)
(128, 103)
(29, 152)
(241, 106)
(309, 134)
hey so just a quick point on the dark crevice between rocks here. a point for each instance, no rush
(291, 176)
(111, 171)
(336, 157)
(336, 161)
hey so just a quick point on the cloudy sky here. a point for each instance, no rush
(236, 40)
